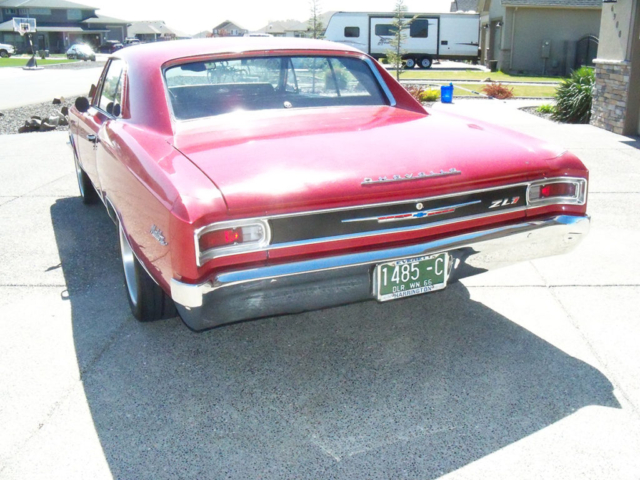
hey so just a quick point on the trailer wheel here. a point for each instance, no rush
(410, 63)
(425, 62)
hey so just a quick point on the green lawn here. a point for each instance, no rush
(518, 90)
(471, 75)
(21, 62)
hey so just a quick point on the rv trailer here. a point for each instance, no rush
(430, 36)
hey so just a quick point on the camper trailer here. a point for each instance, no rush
(430, 36)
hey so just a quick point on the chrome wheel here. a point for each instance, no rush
(129, 267)
(410, 63)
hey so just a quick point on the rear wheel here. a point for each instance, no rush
(4, 54)
(425, 62)
(87, 190)
(410, 62)
(147, 300)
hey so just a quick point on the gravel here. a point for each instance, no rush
(11, 120)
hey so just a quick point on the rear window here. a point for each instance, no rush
(203, 89)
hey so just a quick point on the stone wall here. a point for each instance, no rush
(611, 95)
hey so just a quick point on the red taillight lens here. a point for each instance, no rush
(220, 238)
(558, 190)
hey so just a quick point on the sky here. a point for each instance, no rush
(193, 16)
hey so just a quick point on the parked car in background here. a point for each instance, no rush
(110, 46)
(6, 50)
(81, 52)
(259, 176)
(131, 41)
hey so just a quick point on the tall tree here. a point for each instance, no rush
(396, 52)
(315, 21)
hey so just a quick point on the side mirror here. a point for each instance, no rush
(82, 104)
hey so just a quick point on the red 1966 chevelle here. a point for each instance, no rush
(260, 176)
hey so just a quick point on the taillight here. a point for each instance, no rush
(571, 191)
(228, 238)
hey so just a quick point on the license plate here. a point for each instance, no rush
(411, 276)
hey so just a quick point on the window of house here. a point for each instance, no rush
(74, 14)
(385, 30)
(111, 95)
(39, 11)
(11, 11)
(419, 29)
(352, 32)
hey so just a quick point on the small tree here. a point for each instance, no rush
(396, 52)
(315, 22)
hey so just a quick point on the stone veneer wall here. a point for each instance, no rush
(611, 95)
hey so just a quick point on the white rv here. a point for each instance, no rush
(430, 36)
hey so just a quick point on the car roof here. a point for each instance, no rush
(162, 52)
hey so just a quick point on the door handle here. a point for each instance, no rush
(93, 138)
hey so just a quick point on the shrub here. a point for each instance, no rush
(430, 95)
(574, 97)
(415, 91)
(497, 90)
(546, 108)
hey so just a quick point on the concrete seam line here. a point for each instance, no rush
(592, 349)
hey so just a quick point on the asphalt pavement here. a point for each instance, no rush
(527, 372)
(20, 87)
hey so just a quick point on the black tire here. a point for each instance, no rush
(87, 190)
(147, 300)
(425, 62)
(410, 63)
(4, 54)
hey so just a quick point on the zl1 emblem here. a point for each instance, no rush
(503, 202)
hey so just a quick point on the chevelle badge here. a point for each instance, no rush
(411, 176)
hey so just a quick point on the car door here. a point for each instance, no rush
(105, 106)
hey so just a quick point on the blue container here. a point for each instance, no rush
(446, 93)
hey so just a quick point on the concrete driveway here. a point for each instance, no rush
(20, 87)
(528, 372)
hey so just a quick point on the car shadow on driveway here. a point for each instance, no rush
(409, 389)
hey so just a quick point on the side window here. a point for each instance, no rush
(352, 32)
(111, 95)
(419, 29)
(385, 30)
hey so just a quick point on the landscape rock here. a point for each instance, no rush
(64, 111)
(57, 101)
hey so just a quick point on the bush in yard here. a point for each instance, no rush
(574, 97)
(415, 91)
(546, 108)
(430, 95)
(497, 90)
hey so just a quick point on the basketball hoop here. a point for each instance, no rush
(27, 26)
(24, 25)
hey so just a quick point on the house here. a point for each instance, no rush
(616, 102)
(285, 28)
(464, 6)
(539, 37)
(60, 24)
(229, 29)
(203, 34)
(153, 31)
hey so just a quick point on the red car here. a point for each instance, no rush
(258, 176)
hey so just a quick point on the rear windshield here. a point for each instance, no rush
(203, 89)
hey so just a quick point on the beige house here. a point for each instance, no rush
(285, 28)
(616, 104)
(542, 37)
(229, 29)
(153, 31)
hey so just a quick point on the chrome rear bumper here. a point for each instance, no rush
(313, 284)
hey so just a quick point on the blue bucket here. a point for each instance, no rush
(446, 93)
